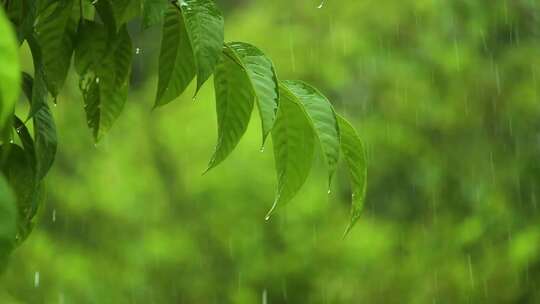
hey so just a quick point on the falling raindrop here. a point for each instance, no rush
(262, 149)
(54, 215)
(97, 79)
(265, 297)
(471, 276)
(321, 5)
(36, 279)
(137, 51)
(329, 191)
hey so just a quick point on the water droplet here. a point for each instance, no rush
(329, 191)
(97, 79)
(11, 141)
(137, 51)
(267, 217)
(262, 149)
(36, 279)
(54, 215)
(321, 5)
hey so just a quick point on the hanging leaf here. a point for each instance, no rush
(38, 88)
(8, 221)
(21, 176)
(204, 24)
(293, 140)
(263, 80)
(323, 119)
(46, 142)
(116, 13)
(104, 75)
(55, 31)
(153, 12)
(176, 61)
(10, 75)
(353, 151)
(234, 104)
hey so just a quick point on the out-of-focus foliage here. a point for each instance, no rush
(445, 95)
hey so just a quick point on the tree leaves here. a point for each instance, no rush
(293, 141)
(9, 72)
(354, 153)
(104, 66)
(55, 31)
(204, 24)
(176, 61)
(263, 80)
(322, 117)
(191, 45)
(234, 104)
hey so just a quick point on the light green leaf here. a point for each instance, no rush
(323, 119)
(55, 32)
(354, 153)
(8, 221)
(234, 104)
(10, 75)
(293, 140)
(104, 76)
(176, 61)
(263, 80)
(204, 24)
(153, 12)
(38, 88)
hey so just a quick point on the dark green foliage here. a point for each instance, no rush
(96, 35)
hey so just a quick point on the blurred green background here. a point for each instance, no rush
(445, 95)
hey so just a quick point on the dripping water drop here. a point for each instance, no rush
(321, 5)
(36, 279)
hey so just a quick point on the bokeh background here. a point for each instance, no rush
(445, 96)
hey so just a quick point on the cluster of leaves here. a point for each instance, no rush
(95, 35)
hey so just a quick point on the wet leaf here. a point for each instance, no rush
(234, 104)
(323, 119)
(8, 221)
(263, 80)
(55, 31)
(153, 12)
(293, 140)
(354, 154)
(176, 61)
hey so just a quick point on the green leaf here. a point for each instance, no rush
(263, 80)
(176, 61)
(45, 140)
(8, 221)
(323, 119)
(204, 24)
(21, 176)
(116, 13)
(234, 104)
(354, 153)
(55, 32)
(104, 75)
(293, 140)
(153, 12)
(10, 75)
(37, 94)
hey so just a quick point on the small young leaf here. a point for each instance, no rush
(263, 79)
(153, 12)
(293, 140)
(176, 61)
(55, 32)
(234, 104)
(204, 24)
(10, 75)
(323, 119)
(354, 153)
